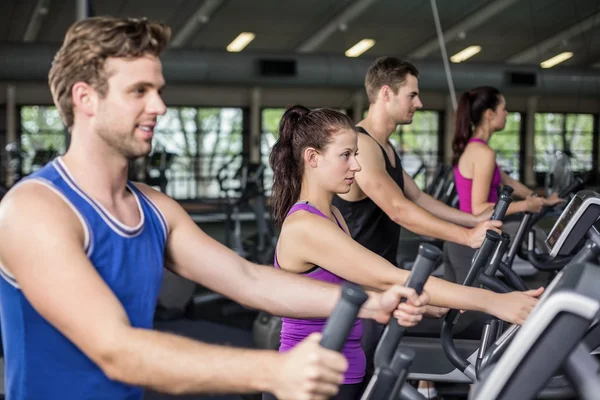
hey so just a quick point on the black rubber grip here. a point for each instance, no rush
(501, 206)
(496, 258)
(342, 318)
(422, 268)
(508, 190)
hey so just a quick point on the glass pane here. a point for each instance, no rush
(43, 137)
(576, 141)
(418, 146)
(202, 140)
(270, 134)
(507, 145)
(579, 137)
(548, 138)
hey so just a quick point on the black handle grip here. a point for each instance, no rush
(481, 256)
(492, 265)
(575, 186)
(501, 206)
(508, 190)
(403, 358)
(342, 318)
(422, 268)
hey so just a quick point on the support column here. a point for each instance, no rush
(82, 10)
(449, 117)
(255, 128)
(358, 105)
(529, 160)
(11, 130)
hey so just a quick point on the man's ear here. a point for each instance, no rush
(386, 93)
(85, 98)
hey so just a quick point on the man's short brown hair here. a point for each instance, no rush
(87, 45)
(388, 71)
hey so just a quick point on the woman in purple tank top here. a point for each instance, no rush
(480, 113)
(314, 159)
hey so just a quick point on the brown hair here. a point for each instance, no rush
(299, 129)
(388, 71)
(470, 109)
(87, 45)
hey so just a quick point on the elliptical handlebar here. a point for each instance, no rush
(503, 202)
(423, 266)
(342, 318)
(451, 318)
(480, 260)
(391, 361)
(508, 190)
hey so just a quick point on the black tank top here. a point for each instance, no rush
(368, 224)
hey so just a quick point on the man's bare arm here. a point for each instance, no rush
(436, 207)
(67, 291)
(376, 183)
(198, 257)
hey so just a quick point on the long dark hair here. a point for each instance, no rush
(471, 106)
(299, 129)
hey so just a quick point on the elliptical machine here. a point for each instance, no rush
(248, 193)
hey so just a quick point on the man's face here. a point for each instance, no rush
(126, 117)
(401, 106)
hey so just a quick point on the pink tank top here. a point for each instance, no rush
(464, 185)
(293, 330)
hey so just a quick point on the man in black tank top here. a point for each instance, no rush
(384, 196)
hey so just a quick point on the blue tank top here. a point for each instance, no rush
(41, 363)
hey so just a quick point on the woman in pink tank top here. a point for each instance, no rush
(314, 159)
(481, 112)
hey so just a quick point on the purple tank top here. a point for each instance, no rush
(293, 330)
(464, 185)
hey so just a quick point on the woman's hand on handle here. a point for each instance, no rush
(534, 204)
(514, 307)
(552, 200)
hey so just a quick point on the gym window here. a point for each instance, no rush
(507, 145)
(571, 134)
(190, 146)
(270, 118)
(43, 137)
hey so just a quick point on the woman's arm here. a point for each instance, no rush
(520, 190)
(483, 171)
(308, 239)
(524, 192)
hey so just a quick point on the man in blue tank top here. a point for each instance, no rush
(83, 251)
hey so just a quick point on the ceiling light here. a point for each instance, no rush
(465, 54)
(360, 48)
(551, 62)
(240, 42)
